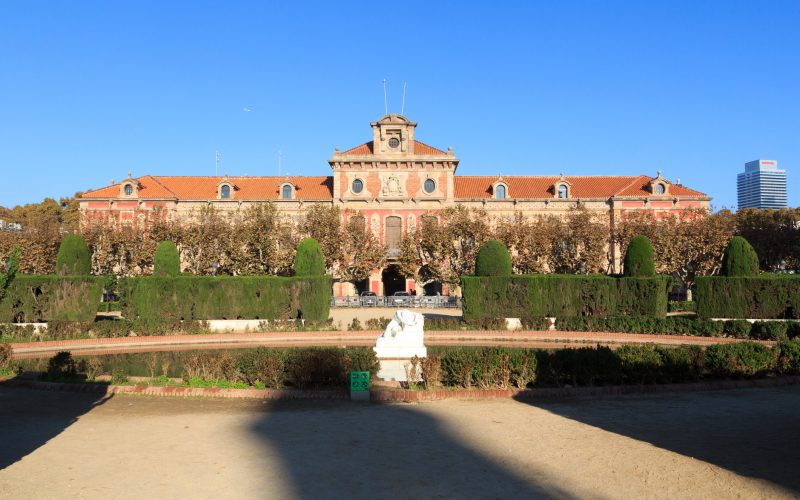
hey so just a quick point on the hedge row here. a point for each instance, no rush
(262, 367)
(588, 366)
(681, 325)
(531, 296)
(225, 297)
(34, 299)
(449, 366)
(764, 296)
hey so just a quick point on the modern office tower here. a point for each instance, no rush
(762, 185)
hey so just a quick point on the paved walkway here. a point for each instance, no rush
(727, 444)
(540, 339)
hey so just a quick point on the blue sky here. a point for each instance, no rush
(92, 90)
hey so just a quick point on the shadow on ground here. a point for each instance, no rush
(30, 418)
(752, 433)
(353, 450)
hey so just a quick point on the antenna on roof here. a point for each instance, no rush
(216, 167)
(403, 107)
(385, 99)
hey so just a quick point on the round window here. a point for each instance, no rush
(358, 186)
(660, 188)
(429, 186)
(394, 142)
(128, 190)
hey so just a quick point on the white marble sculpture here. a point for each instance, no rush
(403, 337)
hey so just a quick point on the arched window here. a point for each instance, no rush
(286, 192)
(358, 186)
(563, 191)
(225, 192)
(429, 186)
(128, 190)
(661, 188)
(500, 192)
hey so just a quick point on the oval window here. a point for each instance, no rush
(394, 142)
(660, 188)
(429, 186)
(128, 190)
(358, 186)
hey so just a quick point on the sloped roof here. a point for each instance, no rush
(420, 148)
(205, 188)
(471, 187)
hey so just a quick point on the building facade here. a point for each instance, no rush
(761, 185)
(391, 181)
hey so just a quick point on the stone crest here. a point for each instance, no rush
(391, 186)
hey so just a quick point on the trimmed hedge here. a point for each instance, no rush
(493, 260)
(73, 258)
(225, 297)
(767, 296)
(639, 258)
(739, 259)
(167, 260)
(308, 259)
(34, 299)
(532, 296)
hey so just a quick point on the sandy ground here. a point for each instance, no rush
(722, 444)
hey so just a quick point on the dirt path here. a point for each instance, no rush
(540, 339)
(701, 445)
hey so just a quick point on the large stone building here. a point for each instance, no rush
(392, 181)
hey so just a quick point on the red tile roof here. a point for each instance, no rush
(420, 148)
(205, 188)
(471, 187)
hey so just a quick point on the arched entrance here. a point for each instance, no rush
(433, 288)
(393, 281)
(361, 286)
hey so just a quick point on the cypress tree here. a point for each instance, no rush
(167, 261)
(740, 259)
(308, 260)
(73, 257)
(493, 260)
(639, 258)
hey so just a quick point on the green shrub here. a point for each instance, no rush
(523, 363)
(739, 259)
(6, 353)
(167, 261)
(32, 299)
(793, 329)
(738, 328)
(682, 363)
(308, 260)
(743, 359)
(431, 367)
(766, 296)
(640, 364)
(9, 271)
(73, 258)
(682, 306)
(532, 296)
(639, 258)
(493, 260)
(769, 330)
(226, 297)
(458, 366)
(263, 365)
(789, 356)
(61, 366)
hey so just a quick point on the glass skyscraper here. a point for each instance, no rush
(762, 185)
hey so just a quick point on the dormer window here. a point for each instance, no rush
(561, 188)
(225, 192)
(128, 189)
(563, 191)
(287, 193)
(225, 189)
(659, 186)
(500, 192)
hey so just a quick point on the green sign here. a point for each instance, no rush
(359, 381)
